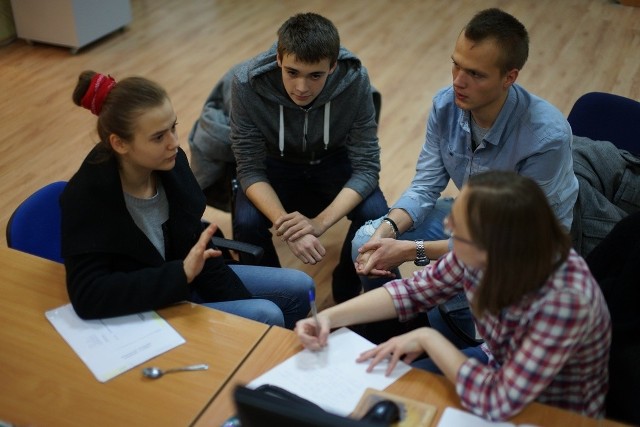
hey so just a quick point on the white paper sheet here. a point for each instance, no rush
(112, 346)
(332, 378)
(452, 417)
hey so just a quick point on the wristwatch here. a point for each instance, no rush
(421, 257)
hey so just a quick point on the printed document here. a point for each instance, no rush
(331, 378)
(112, 346)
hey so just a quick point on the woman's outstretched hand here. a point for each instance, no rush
(194, 262)
(407, 346)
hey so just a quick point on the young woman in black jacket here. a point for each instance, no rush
(132, 236)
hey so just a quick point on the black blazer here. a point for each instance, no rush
(615, 263)
(112, 268)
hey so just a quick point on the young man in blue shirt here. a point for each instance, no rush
(483, 121)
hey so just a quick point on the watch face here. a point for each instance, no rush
(421, 257)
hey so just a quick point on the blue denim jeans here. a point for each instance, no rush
(280, 295)
(308, 189)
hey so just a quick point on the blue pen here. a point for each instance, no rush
(314, 309)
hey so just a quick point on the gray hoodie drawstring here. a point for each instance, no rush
(327, 111)
(305, 129)
(281, 133)
(327, 117)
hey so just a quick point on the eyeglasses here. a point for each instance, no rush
(446, 225)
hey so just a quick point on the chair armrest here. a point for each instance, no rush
(253, 251)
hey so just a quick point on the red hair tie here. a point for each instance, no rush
(97, 92)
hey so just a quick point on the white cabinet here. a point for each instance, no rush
(72, 23)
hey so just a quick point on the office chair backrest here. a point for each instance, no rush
(607, 117)
(34, 227)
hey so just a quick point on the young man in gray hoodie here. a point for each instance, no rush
(304, 135)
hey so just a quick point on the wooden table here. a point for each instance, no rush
(44, 383)
(279, 344)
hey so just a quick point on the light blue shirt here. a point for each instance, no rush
(530, 136)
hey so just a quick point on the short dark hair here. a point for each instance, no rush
(510, 218)
(310, 37)
(122, 106)
(509, 34)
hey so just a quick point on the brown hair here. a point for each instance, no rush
(310, 37)
(509, 217)
(127, 100)
(509, 34)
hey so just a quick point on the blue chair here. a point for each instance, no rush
(34, 227)
(604, 116)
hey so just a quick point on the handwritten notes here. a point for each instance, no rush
(331, 378)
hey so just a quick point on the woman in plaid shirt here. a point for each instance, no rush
(544, 321)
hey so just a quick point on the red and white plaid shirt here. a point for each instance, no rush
(553, 346)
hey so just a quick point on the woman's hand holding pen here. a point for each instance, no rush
(313, 334)
(194, 262)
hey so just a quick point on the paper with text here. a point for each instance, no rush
(332, 378)
(112, 346)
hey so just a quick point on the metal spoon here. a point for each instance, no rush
(154, 372)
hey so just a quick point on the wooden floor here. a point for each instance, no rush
(577, 46)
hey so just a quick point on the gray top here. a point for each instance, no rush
(149, 215)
